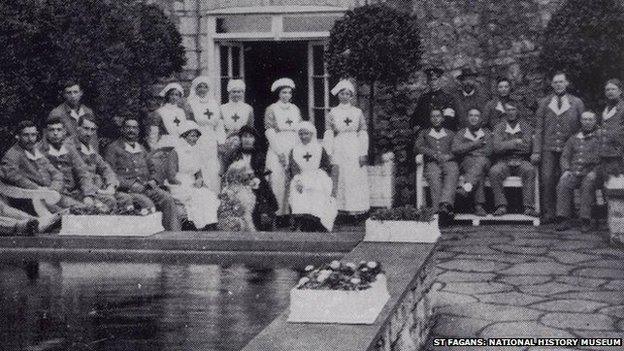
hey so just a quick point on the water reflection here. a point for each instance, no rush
(137, 306)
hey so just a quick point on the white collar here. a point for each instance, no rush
(86, 149)
(500, 107)
(437, 135)
(56, 153)
(565, 104)
(478, 135)
(514, 130)
(283, 105)
(582, 136)
(33, 157)
(606, 114)
(133, 149)
(468, 94)
(76, 114)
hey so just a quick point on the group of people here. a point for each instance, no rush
(570, 147)
(199, 162)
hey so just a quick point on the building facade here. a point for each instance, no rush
(261, 41)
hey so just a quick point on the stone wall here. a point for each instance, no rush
(411, 323)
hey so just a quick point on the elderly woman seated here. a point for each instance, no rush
(188, 185)
(312, 193)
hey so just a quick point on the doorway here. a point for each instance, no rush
(267, 61)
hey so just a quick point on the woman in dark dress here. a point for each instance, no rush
(250, 153)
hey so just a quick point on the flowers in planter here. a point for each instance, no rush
(340, 276)
(101, 209)
(405, 213)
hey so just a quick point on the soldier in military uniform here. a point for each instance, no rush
(612, 135)
(441, 170)
(136, 173)
(100, 172)
(512, 147)
(557, 119)
(25, 166)
(579, 160)
(436, 99)
(468, 96)
(473, 146)
(63, 155)
(494, 110)
(72, 108)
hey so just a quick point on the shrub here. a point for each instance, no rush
(116, 49)
(374, 44)
(586, 40)
(406, 213)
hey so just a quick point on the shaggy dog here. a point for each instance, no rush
(237, 198)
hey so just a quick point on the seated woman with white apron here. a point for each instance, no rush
(280, 121)
(206, 113)
(200, 202)
(312, 192)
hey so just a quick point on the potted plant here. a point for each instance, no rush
(339, 292)
(402, 224)
(123, 222)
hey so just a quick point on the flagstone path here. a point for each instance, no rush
(520, 281)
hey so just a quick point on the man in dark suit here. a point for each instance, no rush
(72, 108)
(136, 173)
(434, 99)
(557, 119)
(468, 96)
(494, 110)
(513, 144)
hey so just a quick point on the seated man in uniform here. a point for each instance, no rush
(441, 169)
(473, 146)
(579, 160)
(135, 170)
(25, 166)
(77, 183)
(100, 172)
(512, 147)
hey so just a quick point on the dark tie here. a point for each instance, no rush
(559, 102)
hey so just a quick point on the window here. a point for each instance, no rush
(319, 85)
(232, 63)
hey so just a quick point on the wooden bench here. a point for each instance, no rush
(510, 182)
(40, 197)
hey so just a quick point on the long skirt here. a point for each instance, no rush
(315, 199)
(287, 141)
(201, 204)
(353, 191)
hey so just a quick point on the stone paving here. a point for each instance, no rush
(521, 281)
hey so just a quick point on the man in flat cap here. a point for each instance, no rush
(434, 99)
(468, 96)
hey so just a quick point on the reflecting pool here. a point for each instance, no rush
(81, 305)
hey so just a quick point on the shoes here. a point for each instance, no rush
(530, 211)
(501, 210)
(549, 220)
(586, 227)
(480, 211)
(564, 224)
(47, 223)
(26, 228)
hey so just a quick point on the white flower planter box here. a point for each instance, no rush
(95, 225)
(402, 231)
(339, 306)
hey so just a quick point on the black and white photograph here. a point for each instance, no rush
(311, 175)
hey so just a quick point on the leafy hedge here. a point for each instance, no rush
(585, 39)
(116, 49)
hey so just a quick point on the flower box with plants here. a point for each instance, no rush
(339, 292)
(95, 221)
(402, 224)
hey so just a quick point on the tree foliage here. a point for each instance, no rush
(374, 43)
(116, 49)
(586, 40)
